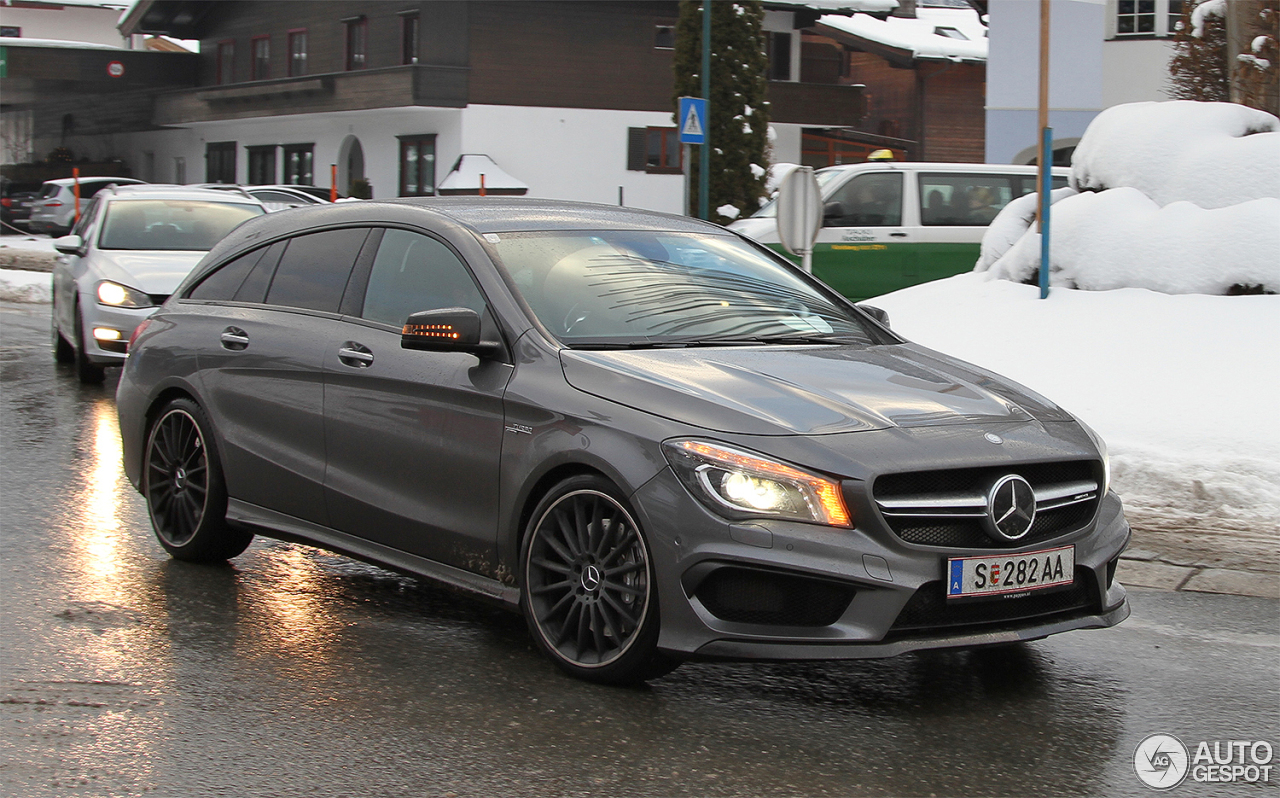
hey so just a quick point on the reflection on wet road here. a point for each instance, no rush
(295, 672)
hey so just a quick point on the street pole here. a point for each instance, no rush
(704, 161)
(1044, 175)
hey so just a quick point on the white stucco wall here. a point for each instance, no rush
(66, 23)
(568, 153)
(1135, 70)
(561, 153)
(1077, 28)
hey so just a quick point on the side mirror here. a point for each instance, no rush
(69, 245)
(875, 313)
(446, 330)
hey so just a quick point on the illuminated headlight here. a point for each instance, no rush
(110, 293)
(1102, 452)
(739, 484)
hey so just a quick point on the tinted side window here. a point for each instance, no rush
(412, 273)
(225, 281)
(867, 201)
(968, 200)
(314, 269)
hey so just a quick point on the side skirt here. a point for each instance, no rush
(285, 527)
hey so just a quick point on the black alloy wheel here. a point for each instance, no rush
(183, 485)
(589, 595)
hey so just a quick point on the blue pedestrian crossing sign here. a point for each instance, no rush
(693, 120)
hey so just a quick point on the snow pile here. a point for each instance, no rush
(955, 34)
(1178, 197)
(1179, 386)
(1212, 154)
(24, 286)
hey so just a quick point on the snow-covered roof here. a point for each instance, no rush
(838, 6)
(13, 41)
(954, 34)
(466, 176)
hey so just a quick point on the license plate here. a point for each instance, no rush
(1009, 574)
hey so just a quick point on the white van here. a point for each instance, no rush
(888, 225)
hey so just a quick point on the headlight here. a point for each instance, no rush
(738, 484)
(1102, 452)
(110, 293)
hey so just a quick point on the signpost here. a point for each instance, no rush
(800, 214)
(692, 114)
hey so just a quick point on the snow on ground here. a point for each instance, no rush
(37, 243)
(1182, 387)
(25, 286)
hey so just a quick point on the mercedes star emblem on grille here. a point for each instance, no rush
(1011, 508)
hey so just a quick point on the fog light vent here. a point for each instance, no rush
(745, 595)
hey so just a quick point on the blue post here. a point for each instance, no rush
(704, 157)
(1046, 167)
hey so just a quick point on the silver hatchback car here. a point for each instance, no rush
(130, 249)
(655, 438)
(54, 210)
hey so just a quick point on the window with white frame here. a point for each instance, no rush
(1143, 18)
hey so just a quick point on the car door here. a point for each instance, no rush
(413, 437)
(864, 248)
(261, 365)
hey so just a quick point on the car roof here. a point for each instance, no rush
(154, 191)
(940, 166)
(124, 181)
(513, 214)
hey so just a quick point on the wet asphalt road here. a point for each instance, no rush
(297, 673)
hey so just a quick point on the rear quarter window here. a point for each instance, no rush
(314, 269)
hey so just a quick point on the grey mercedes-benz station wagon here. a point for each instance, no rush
(656, 438)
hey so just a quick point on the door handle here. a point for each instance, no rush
(235, 339)
(355, 355)
(898, 235)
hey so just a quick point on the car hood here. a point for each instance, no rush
(806, 390)
(761, 228)
(149, 272)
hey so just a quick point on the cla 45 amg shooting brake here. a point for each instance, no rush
(654, 437)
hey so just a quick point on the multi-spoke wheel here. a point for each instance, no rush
(63, 351)
(588, 591)
(182, 482)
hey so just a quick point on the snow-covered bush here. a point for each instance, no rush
(1178, 197)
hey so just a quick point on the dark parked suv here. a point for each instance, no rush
(657, 439)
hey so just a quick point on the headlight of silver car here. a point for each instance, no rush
(1102, 452)
(122, 296)
(738, 484)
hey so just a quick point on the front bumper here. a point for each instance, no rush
(791, 591)
(122, 320)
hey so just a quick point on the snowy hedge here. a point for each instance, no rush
(1179, 197)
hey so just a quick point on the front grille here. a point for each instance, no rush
(947, 508)
(929, 609)
(746, 595)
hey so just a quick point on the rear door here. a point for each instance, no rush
(413, 438)
(261, 365)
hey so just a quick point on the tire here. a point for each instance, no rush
(63, 351)
(185, 492)
(87, 371)
(588, 595)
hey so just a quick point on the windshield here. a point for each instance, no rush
(825, 176)
(630, 289)
(185, 225)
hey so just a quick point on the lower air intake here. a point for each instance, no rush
(744, 595)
